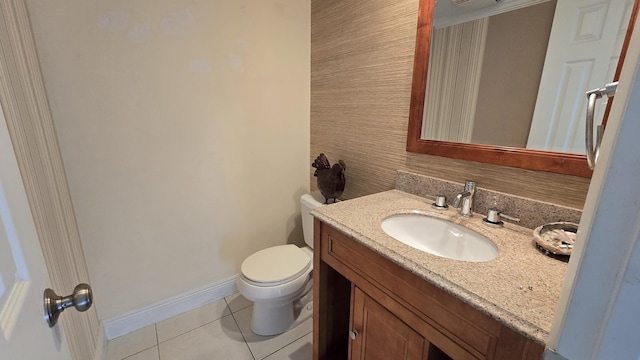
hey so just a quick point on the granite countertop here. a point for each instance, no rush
(519, 288)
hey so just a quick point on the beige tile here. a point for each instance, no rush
(220, 339)
(149, 354)
(262, 346)
(301, 349)
(190, 320)
(238, 302)
(132, 343)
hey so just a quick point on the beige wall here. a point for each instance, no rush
(361, 68)
(511, 71)
(184, 128)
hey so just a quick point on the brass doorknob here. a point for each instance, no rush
(81, 299)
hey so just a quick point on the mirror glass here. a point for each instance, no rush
(515, 74)
(498, 108)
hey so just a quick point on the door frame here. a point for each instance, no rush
(34, 140)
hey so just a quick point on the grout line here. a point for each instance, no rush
(222, 315)
(241, 334)
(143, 350)
(288, 343)
(237, 310)
(238, 325)
(157, 341)
(195, 328)
(226, 302)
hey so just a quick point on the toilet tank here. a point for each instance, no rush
(309, 202)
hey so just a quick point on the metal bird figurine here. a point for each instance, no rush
(331, 179)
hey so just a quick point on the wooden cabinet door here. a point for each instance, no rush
(378, 334)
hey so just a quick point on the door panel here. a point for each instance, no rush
(584, 47)
(24, 333)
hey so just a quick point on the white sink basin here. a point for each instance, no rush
(440, 237)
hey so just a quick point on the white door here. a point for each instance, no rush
(24, 333)
(598, 314)
(584, 46)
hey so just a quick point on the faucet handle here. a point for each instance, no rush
(441, 203)
(494, 218)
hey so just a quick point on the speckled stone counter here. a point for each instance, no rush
(519, 288)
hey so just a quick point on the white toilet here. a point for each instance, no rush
(276, 277)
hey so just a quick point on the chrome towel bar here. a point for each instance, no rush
(609, 91)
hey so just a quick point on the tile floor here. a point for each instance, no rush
(219, 330)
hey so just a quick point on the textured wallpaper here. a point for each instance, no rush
(361, 69)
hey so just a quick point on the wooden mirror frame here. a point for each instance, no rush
(556, 162)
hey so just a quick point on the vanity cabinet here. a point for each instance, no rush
(368, 307)
(377, 333)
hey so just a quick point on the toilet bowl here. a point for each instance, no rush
(276, 277)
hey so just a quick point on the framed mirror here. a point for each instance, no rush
(526, 154)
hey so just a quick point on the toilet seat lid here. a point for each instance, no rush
(276, 264)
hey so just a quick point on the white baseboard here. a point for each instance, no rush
(138, 319)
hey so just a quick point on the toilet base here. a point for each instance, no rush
(271, 318)
(275, 317)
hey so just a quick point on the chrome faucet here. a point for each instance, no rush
(466, 196)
